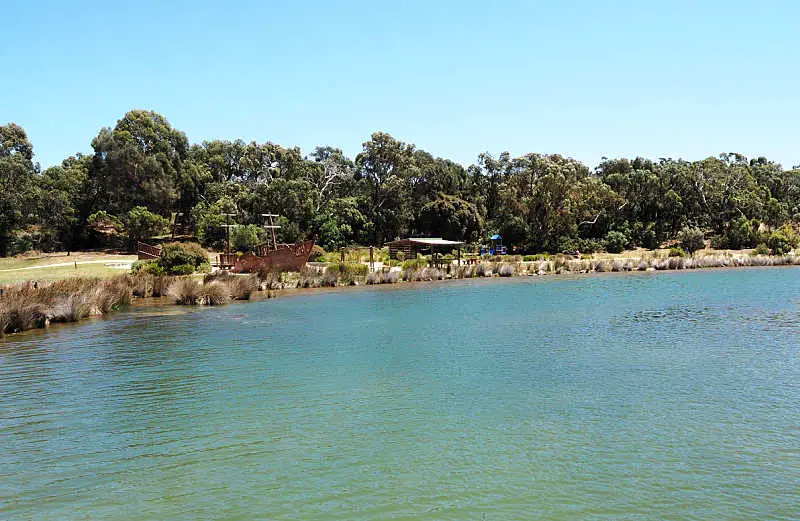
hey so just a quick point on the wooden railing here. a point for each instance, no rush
(146, 251)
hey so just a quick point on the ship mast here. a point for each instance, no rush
(227, 227)
(272, 227)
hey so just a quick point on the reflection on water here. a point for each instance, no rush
(648, 396)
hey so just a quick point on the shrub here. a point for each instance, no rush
(246, 237)
(691, 239)
(779, 243)
(588, 246)
(317, 254)
(616, 241)
(761, 249)
(677, 252)
(141, 224)
(138, 265)
(740, 233)
(181, 269)
(415, 264)
(185, 254)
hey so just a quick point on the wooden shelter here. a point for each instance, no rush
(423, 245)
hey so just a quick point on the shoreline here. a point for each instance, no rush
(163, 302)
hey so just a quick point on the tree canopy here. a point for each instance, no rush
(142, 170)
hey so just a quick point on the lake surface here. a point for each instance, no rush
(666, 396)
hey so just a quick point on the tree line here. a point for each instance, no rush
(143, 171)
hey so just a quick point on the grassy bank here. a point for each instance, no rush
(32, 305)
(350, 274)
(35, 305)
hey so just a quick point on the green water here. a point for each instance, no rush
(667, 396)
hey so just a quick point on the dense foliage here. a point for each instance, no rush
(143, 171)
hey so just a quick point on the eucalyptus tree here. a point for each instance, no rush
(138, 163)
(18, 187)
(384, 166)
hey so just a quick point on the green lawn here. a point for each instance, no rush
(10, 271)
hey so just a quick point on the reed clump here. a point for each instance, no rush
(214, 293)
(310, 277)
(238, 287)
(507, 270)
(216, 289)
(185, 292)
(484, 269)
(147, 285)
(29, 306)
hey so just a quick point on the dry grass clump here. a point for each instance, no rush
(26, 306)
(148, 285)
(422, 274)
(464, 272)
(241, 287)
(310, 277)
(71, 308)
(330, 278)
(432, 274)
(214, 293)
(185, 292)
(506, 270)
(484, 269)
(271, 279)
(110, 295)
(383, 277)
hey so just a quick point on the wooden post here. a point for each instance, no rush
(228, 232)
(459, 257)
(342, 257)
(372, 258)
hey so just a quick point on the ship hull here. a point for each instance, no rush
(286, 257)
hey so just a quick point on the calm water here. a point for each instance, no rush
(667, 396)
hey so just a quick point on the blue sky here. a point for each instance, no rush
(583, 79)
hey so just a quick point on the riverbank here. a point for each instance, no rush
(30, 305)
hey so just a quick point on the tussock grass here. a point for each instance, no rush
(242, 287)
(330, 278)
(310, 277)
(484, 269)
(506, 270)
(214, 293)
(383, 277)
(464, 272)
(24, 306)
(216, 289)
(185, 292)
(146, 285)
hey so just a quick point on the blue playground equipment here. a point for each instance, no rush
(496, 247)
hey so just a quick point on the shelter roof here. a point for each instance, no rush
(427, 241)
